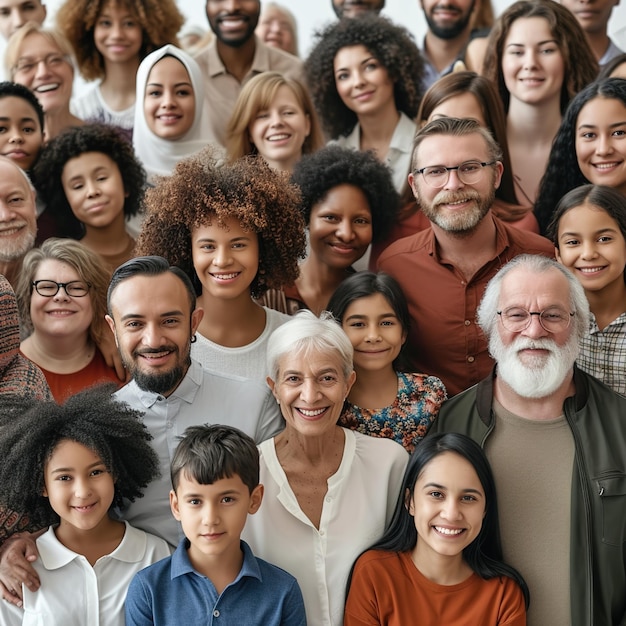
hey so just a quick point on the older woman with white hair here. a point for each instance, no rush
(329, 491)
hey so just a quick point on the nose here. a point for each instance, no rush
(535, 330)
(42, 70)
(450, 509)
(309, 391)
(17, 20)
(210, 514)
(530, 59)
(7, 214)
(604, 144)
(230, 6)
(275, 119)
(589, 250)
(168, 100)
(61, 295)
(373, 333)
(222, 256)
(274, 26)
(15, 136)
(454, 182)
(92, 189)
(151, 336)
(344, 230)
(82, 488)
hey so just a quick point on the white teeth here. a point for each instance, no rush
(590, 270)
(225, 276)
(278, 137)
(48, 87)
(604, 166)
(448, 531)
(309, 413)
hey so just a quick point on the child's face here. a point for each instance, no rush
(21, 135)
(213, 516)
(15, 13)
(340, 227)
(117, 33)
(448, 506)
(94, 189)
(225, 259)
(592, 246)
(601, 142)
(78, 485)
(374, 331)
(169, 103)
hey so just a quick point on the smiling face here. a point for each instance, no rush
(225, 259)
(532, 63)
(213, 516)
(362, 82)
(15, 13)
(21, 136)
(280, 131)
(311, 389)
(79, 487)
(43, 67)
(169, 103)
(94, 189)
(450, 19)
(233, 21)
(60, 316)
(374, 331)
(275, 29)
(601, 142)
(593, 247)
(456, 207)
(117, 34)
(340, 227)
(460, 105)
(448, 505)
(153, 325)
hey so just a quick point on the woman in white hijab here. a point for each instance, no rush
(170, 123)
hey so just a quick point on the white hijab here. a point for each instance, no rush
(159, 156)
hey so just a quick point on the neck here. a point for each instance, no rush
(61, 355)
(442, 52)
(374, 389)
(107, 240)
(608, 303)
(118, 85)
(93, 543)
(599, 43)
(237, 61)
(438, 568)
(378, 128)
(318, 281)
(55, 122)
(220, 569)
(547, 408)
(285, 165)
(314, 451)
(533, 123)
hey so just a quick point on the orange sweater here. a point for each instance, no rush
(388, 590)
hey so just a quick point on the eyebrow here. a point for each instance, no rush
(60, 470)
(443, 488)
(21, 119)
(573, 233)
(327, 370)
(221, 494)
(614, 125)
(175, 84)
(211, 240)
(539, 43)
(357, 316)
(363, 62)
(140, 316)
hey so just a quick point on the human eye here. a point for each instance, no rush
(133, 324)
(361, 221)
(434, 171)
(618, 132)
(170, 321)
(587, 134)
(356, 324)
(4, 13)
(227, 500)
(77, 186)
(154, 92)
(25, 66)
(388, 323)
(548, 50)
(516, 315)
(207, 247)
(98, 471)
(605, 239)
(341, 75)
(238, 246)
(553, 315)
(470, 166)
(329, 217)
(16, 200)
(27, 130)
(54, 60)
(292, 379)
(184, 92)
(571, 242)
(193, 501)
(3, 129)
(436, 494)
(129, 24)
(468, 498)
(63, 478)
(328, 380)
(372, 65)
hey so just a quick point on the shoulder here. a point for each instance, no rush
(378, 452)
(423, 384)
(524, 241)
(405, 246)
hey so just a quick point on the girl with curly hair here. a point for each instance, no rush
(61, 292)
(589, 146)
(365, 77)
(348, 202)
(67, 466)
(539, 58)
(236, 230)
(387, 399)
(274, 117)
(94, 183)
(110, 38)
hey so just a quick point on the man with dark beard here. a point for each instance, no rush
(456, 169)
(449, 31)
(556, 439)
(153, 314)
(355, 8)
(234, 56)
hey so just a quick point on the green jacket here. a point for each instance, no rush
(597, 418)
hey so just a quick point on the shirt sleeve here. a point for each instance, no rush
(293, 611)
(361, 604)
(513, 608)
(138, 608)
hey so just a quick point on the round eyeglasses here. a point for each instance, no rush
(50, 288)
(469, 172)
(552, 320)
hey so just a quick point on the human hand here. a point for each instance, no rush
(16, 557)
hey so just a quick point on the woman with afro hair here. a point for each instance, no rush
(237, 231)
(90, 178)
(67, 466)
(365, 77)
(110, 39)
(348, 202)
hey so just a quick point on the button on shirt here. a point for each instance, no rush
(202, 397)
(172, 592)
(73, 593)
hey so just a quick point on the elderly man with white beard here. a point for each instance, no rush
(556, 439)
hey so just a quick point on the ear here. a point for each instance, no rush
(308, 125)
(405, 335)
(351, 380)
(499, 169)
(196, 318)
(174, 505)
(256, 497)
(408, 502)
(412, 184)
(272, 385)
(557, 254)
(111, 322)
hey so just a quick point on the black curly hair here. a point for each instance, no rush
(31, 431)
(393, 46)
(562, 172)
(316, 174)
(8, 88)
(202, 189)
(47, 174)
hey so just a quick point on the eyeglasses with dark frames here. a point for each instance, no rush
(50, 288)
(553, 319)
(469, 172)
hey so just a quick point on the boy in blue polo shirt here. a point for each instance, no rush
(213, 577)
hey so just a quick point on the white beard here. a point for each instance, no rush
(543, 375)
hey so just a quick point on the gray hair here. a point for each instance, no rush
(305, 333)
(488, 307)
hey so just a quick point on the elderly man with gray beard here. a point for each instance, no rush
(556, 438)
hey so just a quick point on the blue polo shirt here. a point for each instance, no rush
(172, 592)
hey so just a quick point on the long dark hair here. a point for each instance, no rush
(364, 284)
(484, 554)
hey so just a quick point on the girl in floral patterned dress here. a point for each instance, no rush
(387, 400)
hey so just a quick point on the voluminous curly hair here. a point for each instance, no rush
(47, 174)
(393, 46)
(160, 21)
(316, 174)
(580, 66)
(85, 262)
(248, 190)
(31, 431)
(562, 172)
